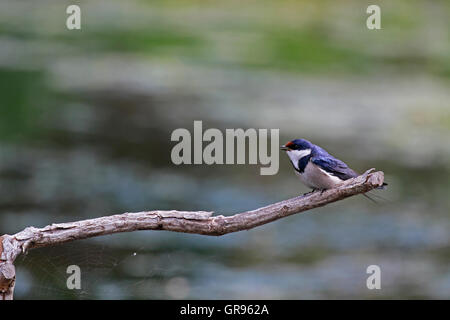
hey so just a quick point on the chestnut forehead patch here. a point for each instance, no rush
(289, 144)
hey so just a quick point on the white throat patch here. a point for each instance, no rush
(296, 155)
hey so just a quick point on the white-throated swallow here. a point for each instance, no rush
(316, 168)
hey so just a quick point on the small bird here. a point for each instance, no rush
(316, 168)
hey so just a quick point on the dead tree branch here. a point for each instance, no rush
(199, 222)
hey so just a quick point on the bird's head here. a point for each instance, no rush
(297, 144)
(297, 149)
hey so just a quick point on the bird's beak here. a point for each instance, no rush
(284, 148)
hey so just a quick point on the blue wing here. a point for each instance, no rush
(334, 166)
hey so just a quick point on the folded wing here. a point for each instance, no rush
(334, 167)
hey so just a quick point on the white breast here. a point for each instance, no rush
(317, 178)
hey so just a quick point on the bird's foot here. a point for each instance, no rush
(312, 191)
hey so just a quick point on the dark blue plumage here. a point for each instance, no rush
(302, 163)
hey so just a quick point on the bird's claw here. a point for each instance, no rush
(312, 191)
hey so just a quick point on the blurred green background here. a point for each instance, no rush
(85, 124)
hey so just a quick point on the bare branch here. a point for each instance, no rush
(199, 222)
